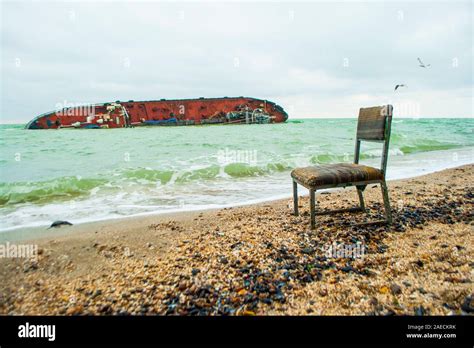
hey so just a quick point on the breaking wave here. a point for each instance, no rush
(65, 188)
(71, 187)
(40, 192)
(426, 145)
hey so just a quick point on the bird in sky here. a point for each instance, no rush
(423, 65)
(397, 86)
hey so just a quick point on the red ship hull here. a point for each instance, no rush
(178, 112)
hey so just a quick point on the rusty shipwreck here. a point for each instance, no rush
(163, 112)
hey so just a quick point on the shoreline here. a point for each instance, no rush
(26, 232)
(260, 259)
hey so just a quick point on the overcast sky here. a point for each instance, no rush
(316, 59)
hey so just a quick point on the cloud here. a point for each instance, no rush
(314, 58)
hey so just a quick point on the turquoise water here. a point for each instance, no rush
(83, 175)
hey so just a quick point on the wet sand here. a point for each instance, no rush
(260, 259)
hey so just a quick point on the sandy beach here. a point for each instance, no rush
(260, 259)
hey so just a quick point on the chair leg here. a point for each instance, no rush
(312, 200)
(386, 202)
(361, 199)
(295, 198)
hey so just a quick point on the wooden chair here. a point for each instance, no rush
(373, 125)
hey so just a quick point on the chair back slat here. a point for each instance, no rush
(372, 122)
(374, 125)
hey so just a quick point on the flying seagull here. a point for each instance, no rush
(396, 87)
(423, 65)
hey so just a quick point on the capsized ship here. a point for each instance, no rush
(163, 112)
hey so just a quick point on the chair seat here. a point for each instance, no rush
(336, 174)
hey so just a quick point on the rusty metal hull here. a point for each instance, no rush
(177, 112)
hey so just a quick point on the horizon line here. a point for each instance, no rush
(312, 118)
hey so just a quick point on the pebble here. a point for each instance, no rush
(223, 260)
(419, 263)
(347, 269)
(468, 304)
(30, 265)
(395, 289)
(75, 310)
(420, 311)
(98, 292)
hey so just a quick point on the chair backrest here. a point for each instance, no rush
(374, 124)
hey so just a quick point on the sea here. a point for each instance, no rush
(83, 175)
